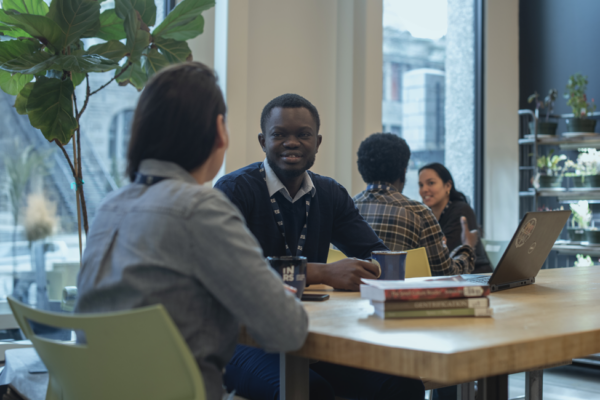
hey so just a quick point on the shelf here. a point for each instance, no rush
(565, 194)
(565, 143)
(572, 248)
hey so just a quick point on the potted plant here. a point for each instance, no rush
(545, 127)
(47, 58)
(583, 261)
(577, 100)
(550, 173)
(586, 169)
(580, 220)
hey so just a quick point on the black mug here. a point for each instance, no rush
(292, 270)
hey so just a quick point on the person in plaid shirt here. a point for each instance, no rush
(402, 223)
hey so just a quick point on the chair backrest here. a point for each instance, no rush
(136, 354)
(335, 255)
(494, 250)
(417, 263)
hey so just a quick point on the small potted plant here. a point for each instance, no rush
(550, 173)
(577, 100)
(580, 220)
(586, 169)
(545, 127)
(583, 261)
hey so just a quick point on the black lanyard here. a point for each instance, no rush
(279, 219)
(148, 180)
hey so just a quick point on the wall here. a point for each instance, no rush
(501, 103)
(327, 51)
(557, 40)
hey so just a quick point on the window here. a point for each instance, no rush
(429, 85)
(46, 192)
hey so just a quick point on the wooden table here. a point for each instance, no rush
(553, 321)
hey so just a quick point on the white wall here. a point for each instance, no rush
(327, 51)
(501, 175)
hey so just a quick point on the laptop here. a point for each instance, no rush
(526, 252)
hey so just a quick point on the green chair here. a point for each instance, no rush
(417, 263)
(494, 250)
(136, 354)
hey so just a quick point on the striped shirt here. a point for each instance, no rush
(405, 224)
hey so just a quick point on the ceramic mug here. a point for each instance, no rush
(391, 263)
(292, 270)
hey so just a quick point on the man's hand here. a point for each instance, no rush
(467, 236)
(345, 274)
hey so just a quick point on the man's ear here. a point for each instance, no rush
(319, 139)
(261, 140)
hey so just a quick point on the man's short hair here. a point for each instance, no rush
(289, 100)
(383, 157)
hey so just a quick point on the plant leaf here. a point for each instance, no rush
(33, 63)
(77, 78)
(39, 27)
(75, 18)
(113, 50)
(136, 47)
(154, 62)
(50, 108)
(175, 25)
(146, 8)
(134, 75)
(84, 63)
(111, 26)
(32, 7)
(13, 83)
(11, 49)
(173, 50)
(22, 97)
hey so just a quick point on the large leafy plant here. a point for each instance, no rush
(43, 58)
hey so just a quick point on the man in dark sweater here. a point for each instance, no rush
(293, 211)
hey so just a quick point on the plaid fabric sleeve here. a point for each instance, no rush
(441, 261)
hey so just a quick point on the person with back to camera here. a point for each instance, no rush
(437, 190)
(402, 223)
(166, 239)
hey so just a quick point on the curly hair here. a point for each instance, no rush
(383, 157)
(289, 100)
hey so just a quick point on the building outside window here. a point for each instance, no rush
(429, 85)
(105, 131)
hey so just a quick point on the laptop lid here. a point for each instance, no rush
(528, 249)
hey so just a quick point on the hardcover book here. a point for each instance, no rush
(428, 289)
(477, 302)
(449, 312)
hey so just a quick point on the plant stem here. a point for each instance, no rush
(59, 144)
(113, 78)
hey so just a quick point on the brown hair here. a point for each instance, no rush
(176, 118)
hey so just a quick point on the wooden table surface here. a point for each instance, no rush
(552, 321)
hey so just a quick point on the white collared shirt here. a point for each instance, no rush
(274, 185)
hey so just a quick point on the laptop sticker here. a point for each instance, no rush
(532, 248)
(525, 232)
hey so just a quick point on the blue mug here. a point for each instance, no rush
(392, 264)
(292, 271)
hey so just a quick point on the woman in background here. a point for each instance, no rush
(437, 191)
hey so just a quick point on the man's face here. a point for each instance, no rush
(290, 141)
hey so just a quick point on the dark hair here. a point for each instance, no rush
(446, 177)
(176, 117)
(383, 157)
(289, 100)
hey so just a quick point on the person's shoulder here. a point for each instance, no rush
(410, 204)
(245, 177)
(461, 207)
(325, 183)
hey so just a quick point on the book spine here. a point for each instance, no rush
(479, 302)
(451, 312)
(437, 293)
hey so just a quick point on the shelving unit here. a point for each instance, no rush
(530, 146)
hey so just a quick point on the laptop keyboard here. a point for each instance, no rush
(482, 279)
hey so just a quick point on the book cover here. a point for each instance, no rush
(448, 312)
(477, 302)
(428, 289)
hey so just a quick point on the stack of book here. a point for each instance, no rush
(431, 297)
